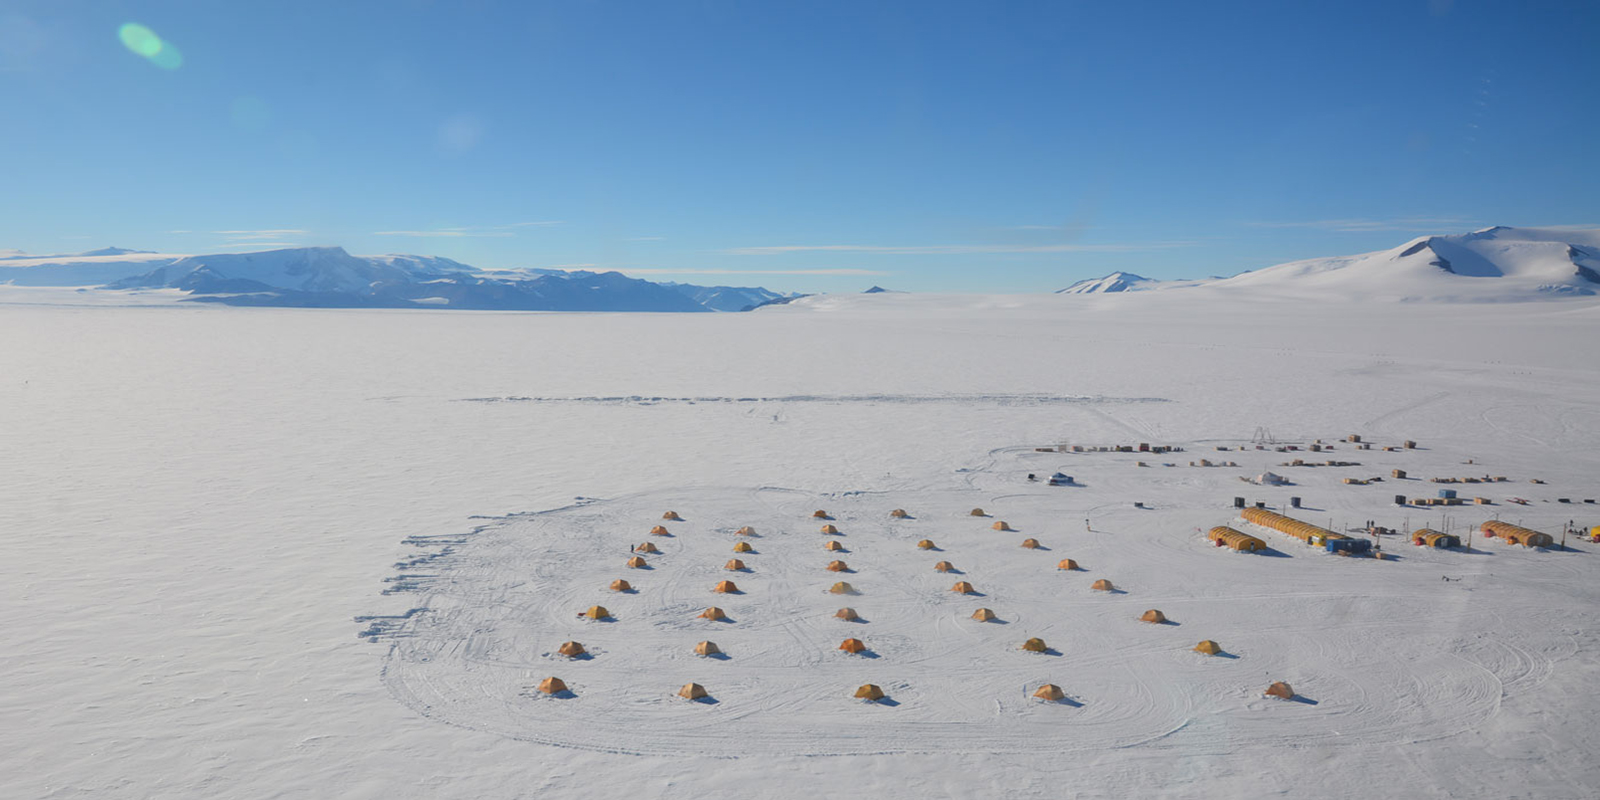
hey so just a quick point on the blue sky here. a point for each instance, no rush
(805, 146)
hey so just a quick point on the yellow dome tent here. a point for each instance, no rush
(978, 512)
(847, 614)
(829, 529)
(984, 615)
(597, 612)
(963, 588)
(838, 566)
(819, 514)
(733, 565)
(647, 547)
(692, 691)
(842, 588)
(1067, 564)
(1153, 615)
(571, 649)
(637, 562)
(943, 566)
(745, 531)
(869, 692)
(1000, 525)
(707, 649)
(1050, 692)
(620, 585)
(713, 613)
(673, 515)
(899, 513)
(1031, 544)
(926, 544)
(1103, 585)
(1035, 645)
(660, 531)
(743, 547)
(552, 685)
(726, 587)
(1208, 647)
(833, 545)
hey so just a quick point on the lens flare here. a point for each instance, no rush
(141, 41)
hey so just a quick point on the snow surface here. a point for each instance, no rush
(205, 506)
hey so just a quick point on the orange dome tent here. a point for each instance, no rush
(620, 585)
(1208, 647)
(984, 615)
(673, 515)
(1103, 585)
(726, 587)
(692, 691)
(713, 613)
(838, 566)
(707, 649)
(1067, 564)
(1153, 615)
(571, 649)
(1050, 692)
(1280, 689)
(869, 692)
(963, 588)
(552, 685)
(1035, 645)
(743, 547)
(853, 646)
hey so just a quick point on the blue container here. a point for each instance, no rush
(1447, 493)
(1351, 545)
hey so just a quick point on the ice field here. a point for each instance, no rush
(307, 553)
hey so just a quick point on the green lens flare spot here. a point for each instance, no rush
(142, 41)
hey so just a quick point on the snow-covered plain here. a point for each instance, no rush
(201, 502)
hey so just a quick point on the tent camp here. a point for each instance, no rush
(847, 614)
(842, 588)
(838, 566)
(620, 585)
(1224, 536)
(1067, 564)
(984, 615)
(1000, 525)
(963, 587)
(1050, 692)
(725, 587)
(1031, 544)
(833, 545)
(829, 529)
(596, 612)
(673, 515)
(1153, 615)
(1208, 647)
(1428, 537)
(869, 692)
(899, 513)
(707, 649)
(743, 547)
(1103, 585)
(943, 566)
(713, 613)
(1516, 534)
(692, 691)
(1280, 689)
(571, 649)
(552, 685)
(1035, 645)
(853, 646)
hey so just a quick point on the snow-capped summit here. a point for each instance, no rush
(1496, 263)
(1115, 282)
(301, 269)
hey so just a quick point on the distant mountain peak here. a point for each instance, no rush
(1115, 282)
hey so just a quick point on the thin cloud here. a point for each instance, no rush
(953, 249)
(660, 271)
(449, 233)
(1366, 225)
(264, 233)
(645, 238)
(254, 245)
(473, 231)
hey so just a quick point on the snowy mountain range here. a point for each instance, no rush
(329, 277)
(1498, 263)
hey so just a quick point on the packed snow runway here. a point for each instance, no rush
(205, 508)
